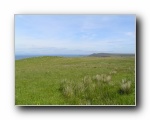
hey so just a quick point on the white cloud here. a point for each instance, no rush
(132, 34)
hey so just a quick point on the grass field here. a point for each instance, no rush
(75, 81)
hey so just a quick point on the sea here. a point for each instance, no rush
(18, 57)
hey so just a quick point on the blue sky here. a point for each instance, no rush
(74, 34)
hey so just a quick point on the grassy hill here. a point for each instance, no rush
(75, 81)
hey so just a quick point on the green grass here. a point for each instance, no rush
(75, 81)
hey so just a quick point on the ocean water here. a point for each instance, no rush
(18, 57)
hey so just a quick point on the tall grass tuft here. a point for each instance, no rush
(113, 72)
(87, 81)
(92, 89)
(102, 78)
(67, 88)
(107, 79)
(125, 87)
(98, 77)
(88, 90)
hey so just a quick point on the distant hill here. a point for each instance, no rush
(111, 54)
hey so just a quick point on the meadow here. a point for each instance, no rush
(75, 81)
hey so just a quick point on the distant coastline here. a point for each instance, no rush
(112, 54)
(18, 57)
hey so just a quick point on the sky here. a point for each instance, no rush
(74, 34)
